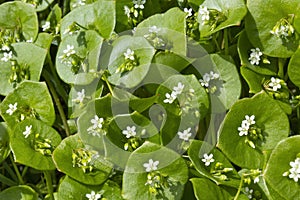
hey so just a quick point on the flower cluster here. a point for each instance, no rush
(185, 134)
(151, 165)
(255, 55)
(275, 84)
(209, 81)
(46, 26)
(283, 29)
(177, 90)
(208, 159)
(139, 4)
(245, 126)
(70, 58)
(130, 62)
(84, 159)
(42, 145)
(155, 39)
(204, 14)
(7, 56)
(80, 97)
(135, 13)
(294, 171)
(129, 131)
(93, 196)
(96, 128)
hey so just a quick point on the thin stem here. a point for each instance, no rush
(216, 42)
(225, 41)
(58, 104)
(281, 62)
(109, 87)
(20, 178)
(239, 189)
(10, 171)
(49, 184)
(7, 181)
(66, 7)
(24, 171)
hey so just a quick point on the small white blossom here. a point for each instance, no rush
(30, 40)
(282, 31)
(207, 77)
(139, 3)
(185, 135)
(80, 96)
(7, 56)
(275, 84)
(127, 11)
(248, 192)
(256, 180)
(97, 122)
(69, 50)
(27, 132)
(12, 108)
(170, 98)
(204, 13)
(5, 47)
(154, 29)
(178, 89)
(93, 196)
(189, 12)
(151, 165)
(46, 26)
(129, 54)
(255, 55)
(244, 128)
(294, 171)
(208, 159)
(250, 120)
(129, 132)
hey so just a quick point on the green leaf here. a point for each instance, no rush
(62, 157)
(73, 190)
(23, 54)
(244, 50)
(293, 68)
(33, 101)
(260, 20)
(254, 80)
(4, 142)
(232, 13)
(269, 117)
(196, 151)
(19, 16)
(33, 150)
(135, 176)
(285, 152)
(99, 16)
(172, 27)
(87, 46)
(44, 40)
(22, 192)
(143, 52)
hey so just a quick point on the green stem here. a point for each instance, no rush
(281, 62)
(216, 42)
(239, 189)
(49, 184)
(58, 104)
(24, 171)
(109, 87)
(7, 181)
(21, 181)
(66, 7)
(10, 171)
(225, 41)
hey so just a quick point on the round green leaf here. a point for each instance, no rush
(244, 50)
(33, 101)
(62, 157)
(135, 176)
(293, 68)
(27, 150)
(22, 192)
(196, 151)
(171, 26)
(260, 20)
(269, 117)
(285, 152)
(73, 190)
(143, 52)
(18, 15)
(234, 11)
(87, 46)
(23, 54)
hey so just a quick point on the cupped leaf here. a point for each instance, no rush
(135, 175)
(293, 68)
(73, 190)
(170, 27)
(270, 120)
(22, 192)
(279, 163)
(82, 65)
(244, 50)
(254, 80)
(19, 16)
(34, 149)
(99, 16)
(230, 13)
(32, 100)
(80, 162)
(261, 20)
(143, 53)
(196, 153)
(31, 68)
(4, 141)
(44, 40)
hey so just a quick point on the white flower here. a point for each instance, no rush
(93, 196)
(80, 96)
(170, 98)
(275, 84)
(250, 120)
(129, 54)
(127, 11)
(294, 174)
(185, 135)
(46, 26)
(151, 165)
(97, 122)
(129, 132)
(256, 180)
(12, 108)
(139, 3)
(283, 31)
(7, 56)
(248, 192)
(154, 29)
(243, 129)
(27, 132)
(255, 55)
(296, 165)
(69, 50)
(207, 159)
(189, 12)
(178, 89)
(207, 77)
(5, 47)
(204, 13)
(30, 40)
(294, 171)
